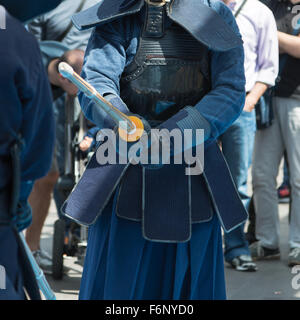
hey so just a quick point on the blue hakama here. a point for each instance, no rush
(121, 265)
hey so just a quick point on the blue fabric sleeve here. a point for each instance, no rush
(25, 190)
(92, 133)
(224, 103)
(37, 129)
(105, 60)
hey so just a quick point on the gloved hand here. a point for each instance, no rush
(133, 151)
(151, 151)
(167, 142)
(157, 147)
(188, 118)
(184, 131)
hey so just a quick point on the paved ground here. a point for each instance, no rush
(273, 280)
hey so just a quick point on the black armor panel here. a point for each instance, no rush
(170, 70)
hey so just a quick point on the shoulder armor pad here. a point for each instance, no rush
(201, 21)
(205, 24)
(106, 11)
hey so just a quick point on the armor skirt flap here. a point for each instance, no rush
(166, 201)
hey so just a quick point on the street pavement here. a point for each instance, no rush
(274, 280)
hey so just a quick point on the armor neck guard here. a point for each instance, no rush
(201, 21)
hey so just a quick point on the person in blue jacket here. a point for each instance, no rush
(26, 143)
(155, 231)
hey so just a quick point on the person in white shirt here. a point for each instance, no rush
(258, 29)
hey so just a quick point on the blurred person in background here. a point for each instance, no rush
(56, 35)
(258, 29)
(27, 139)
(271, 143)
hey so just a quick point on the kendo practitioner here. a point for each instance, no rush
(26, 143)
(155, 231)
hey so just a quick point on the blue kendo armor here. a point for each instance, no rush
(165, 200)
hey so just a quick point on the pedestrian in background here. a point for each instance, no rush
(258, 29)
(55, 26)
(270, 144)
(26, 144)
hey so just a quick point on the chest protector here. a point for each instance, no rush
(170, 69)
